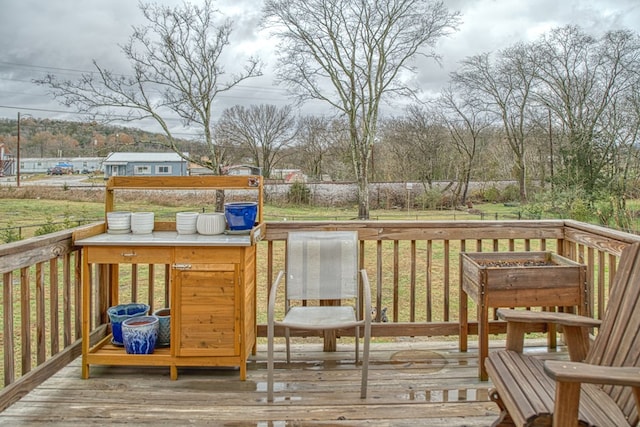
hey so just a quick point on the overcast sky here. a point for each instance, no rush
(64, 36)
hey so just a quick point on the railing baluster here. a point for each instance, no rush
(378, 304)
(25, 319)
(412, 281)
(134, 283)
(66, 300)
(151, 284)
(429, 280)
(77, 300)
(447, 278)
(396, 285)
(53, 306)
(41, 345)
(167, 276)
(7, 330)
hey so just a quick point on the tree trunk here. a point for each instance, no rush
(219, 200)
(522, 181)
(363, 198)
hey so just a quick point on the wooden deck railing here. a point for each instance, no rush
(41, 316)
(412, 265)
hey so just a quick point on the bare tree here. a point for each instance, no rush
(176, 69)
(316, 138)
(583, 82)
(466, 120)
(506, 86)
(351, 54)
(416, 146)
(261, 131)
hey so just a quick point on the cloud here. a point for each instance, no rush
(492, 25)
(64, 36)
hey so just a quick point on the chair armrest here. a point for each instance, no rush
(575, 328)
(565, 371)
(569, 377)
(564, 319)
(366, 293)
(273, 293)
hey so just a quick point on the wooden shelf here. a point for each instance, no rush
(216, 283)
(238, 182)
(105, 353)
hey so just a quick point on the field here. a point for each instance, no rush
(29, 211)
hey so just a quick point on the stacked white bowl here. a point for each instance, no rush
(118, 222)
(211, 223)
(142, 222)
(186, 222)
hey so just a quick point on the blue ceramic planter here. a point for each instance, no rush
(241, 215)
(140, 334)
(119, 313)
(164, 330)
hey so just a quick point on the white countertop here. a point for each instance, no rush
(166, 238)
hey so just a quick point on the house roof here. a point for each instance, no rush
(143, 157)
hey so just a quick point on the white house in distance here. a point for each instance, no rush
(145, 164)
(36, 165)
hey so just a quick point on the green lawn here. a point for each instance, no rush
(31, 215)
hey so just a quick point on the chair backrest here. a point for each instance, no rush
(618, 339)
(322, 265)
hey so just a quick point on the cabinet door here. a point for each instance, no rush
(207, 310)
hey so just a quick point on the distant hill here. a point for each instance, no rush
(52, 138)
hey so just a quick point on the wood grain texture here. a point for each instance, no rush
(412, 382)
(599, 387)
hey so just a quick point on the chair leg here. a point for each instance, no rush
(365, 361)
(504, 419)
(357, 345)
(270, 363)
(286, 335)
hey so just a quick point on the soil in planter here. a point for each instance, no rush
(138, 323)
(523, 263)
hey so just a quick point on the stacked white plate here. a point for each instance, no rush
(186, 222)
(118, 222)
(211, 223)
(142, 222)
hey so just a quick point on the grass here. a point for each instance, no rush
(27, 209)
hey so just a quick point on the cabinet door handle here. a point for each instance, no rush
(182, 266)
(128, 254)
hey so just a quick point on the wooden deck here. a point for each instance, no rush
(411, 382)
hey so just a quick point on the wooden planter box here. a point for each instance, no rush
(520, 279)
(516, 279)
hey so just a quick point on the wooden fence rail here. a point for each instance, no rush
(413, 266)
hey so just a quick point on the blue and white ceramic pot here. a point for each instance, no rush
(119, 313)
(140, 334)
(164, 330)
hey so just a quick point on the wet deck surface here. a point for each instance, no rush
(411, 382)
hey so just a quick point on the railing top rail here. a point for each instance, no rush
(427, 230)
(601, 238)
(37, 249)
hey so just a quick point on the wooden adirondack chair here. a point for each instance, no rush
(600, 386)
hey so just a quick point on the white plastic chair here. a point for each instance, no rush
(322, 265)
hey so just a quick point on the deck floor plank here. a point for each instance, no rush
(410, 383)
